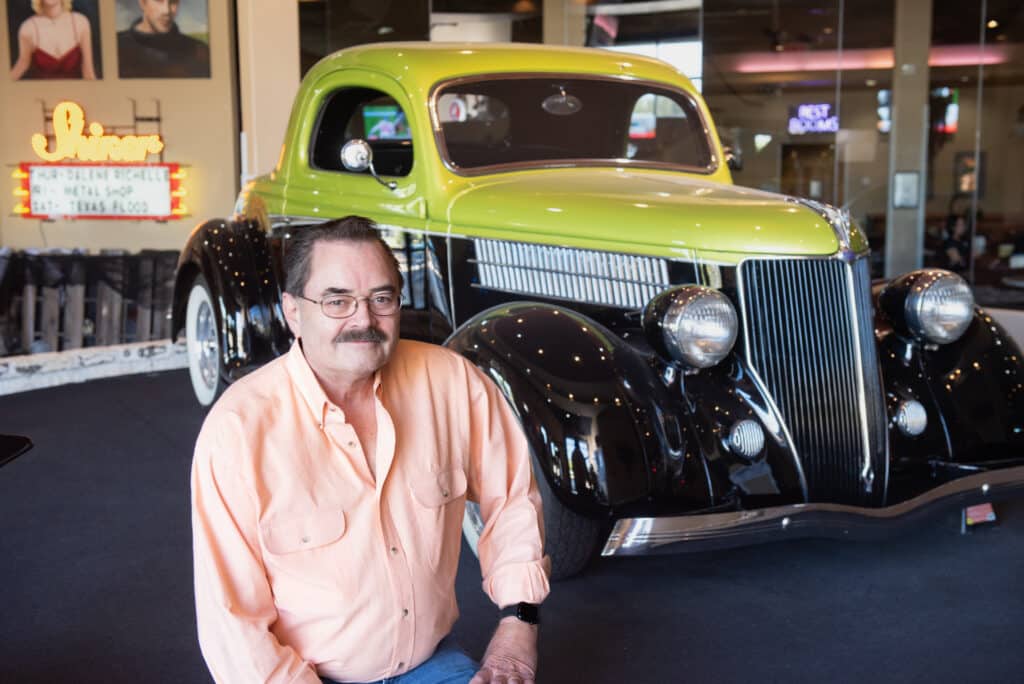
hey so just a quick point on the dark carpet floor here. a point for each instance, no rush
(95, 577)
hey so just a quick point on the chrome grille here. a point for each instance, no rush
(808, 333)
(582, 275)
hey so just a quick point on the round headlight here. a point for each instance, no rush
(939, 306)
(697, 325)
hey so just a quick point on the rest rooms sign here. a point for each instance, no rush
(107, 191)
(812, 118)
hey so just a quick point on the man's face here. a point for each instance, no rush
(339, 348)
(159, 15)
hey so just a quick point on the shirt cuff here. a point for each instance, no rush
(519, 582)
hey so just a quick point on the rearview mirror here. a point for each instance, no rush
(357, 156)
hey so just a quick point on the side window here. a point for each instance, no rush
(662, 130)
(367, 114)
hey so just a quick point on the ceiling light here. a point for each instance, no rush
(992, 23)
(871, 83)
(827, 30)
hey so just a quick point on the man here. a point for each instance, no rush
(154, 47)
(328, 490)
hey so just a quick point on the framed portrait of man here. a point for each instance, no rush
(54, 39)
(163, 39)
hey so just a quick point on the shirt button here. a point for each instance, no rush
(405, 612)
(394, 550)
(401, 665)
(351, 445)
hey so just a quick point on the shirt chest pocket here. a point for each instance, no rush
(290, 533)
(433, 490)
(439, 501)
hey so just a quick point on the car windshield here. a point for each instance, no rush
(546, 120)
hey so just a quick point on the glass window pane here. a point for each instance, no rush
(548, 119)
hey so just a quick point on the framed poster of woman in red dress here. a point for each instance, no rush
(54, 39)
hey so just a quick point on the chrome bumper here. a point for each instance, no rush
(635, 536)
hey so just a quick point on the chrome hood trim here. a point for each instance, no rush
(636, 536)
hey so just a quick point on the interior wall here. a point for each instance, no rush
(268, 79)
(471, 28)
(200, 131)
(1002, 144)
(565, 22)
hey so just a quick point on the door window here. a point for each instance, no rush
(369, 115)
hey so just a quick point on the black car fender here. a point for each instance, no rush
(590, 404)
(719, 398)
(973, 394)
(235, 257)
(978, 384)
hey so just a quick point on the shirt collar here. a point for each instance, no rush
(309, 386)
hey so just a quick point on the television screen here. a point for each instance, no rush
(945, 109)
(943, 105)
(884, 110)
(385, 122)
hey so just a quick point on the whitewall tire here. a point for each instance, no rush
(472, 526)
(203, 344)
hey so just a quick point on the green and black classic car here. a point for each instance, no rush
(695, 364)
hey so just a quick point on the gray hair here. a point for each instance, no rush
(298, 249)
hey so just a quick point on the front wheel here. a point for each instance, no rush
(571, 540)
(202, 342)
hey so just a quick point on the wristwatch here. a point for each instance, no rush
(527, 612)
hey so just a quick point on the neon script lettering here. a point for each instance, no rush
(70, 143)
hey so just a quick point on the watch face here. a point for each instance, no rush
(528, 612)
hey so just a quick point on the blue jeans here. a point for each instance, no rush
(448, 665)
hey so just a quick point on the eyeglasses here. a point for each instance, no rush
(343, 306)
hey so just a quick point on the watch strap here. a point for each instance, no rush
(527, 612)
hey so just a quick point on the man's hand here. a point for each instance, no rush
(511, 657)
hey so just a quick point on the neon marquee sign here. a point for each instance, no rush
(96, 175)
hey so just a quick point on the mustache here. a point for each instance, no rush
(370, 334)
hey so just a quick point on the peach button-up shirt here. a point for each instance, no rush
(306, 565)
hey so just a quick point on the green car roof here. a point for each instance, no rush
(427, 63)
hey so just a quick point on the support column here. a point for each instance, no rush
(908, 137)
(268, 74)
(565, 22)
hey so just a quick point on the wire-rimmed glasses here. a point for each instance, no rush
(343, 306)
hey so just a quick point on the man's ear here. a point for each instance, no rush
(290, 306)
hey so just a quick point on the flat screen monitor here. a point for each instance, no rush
(385, 122)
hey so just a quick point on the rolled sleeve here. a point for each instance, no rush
(511, 545)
